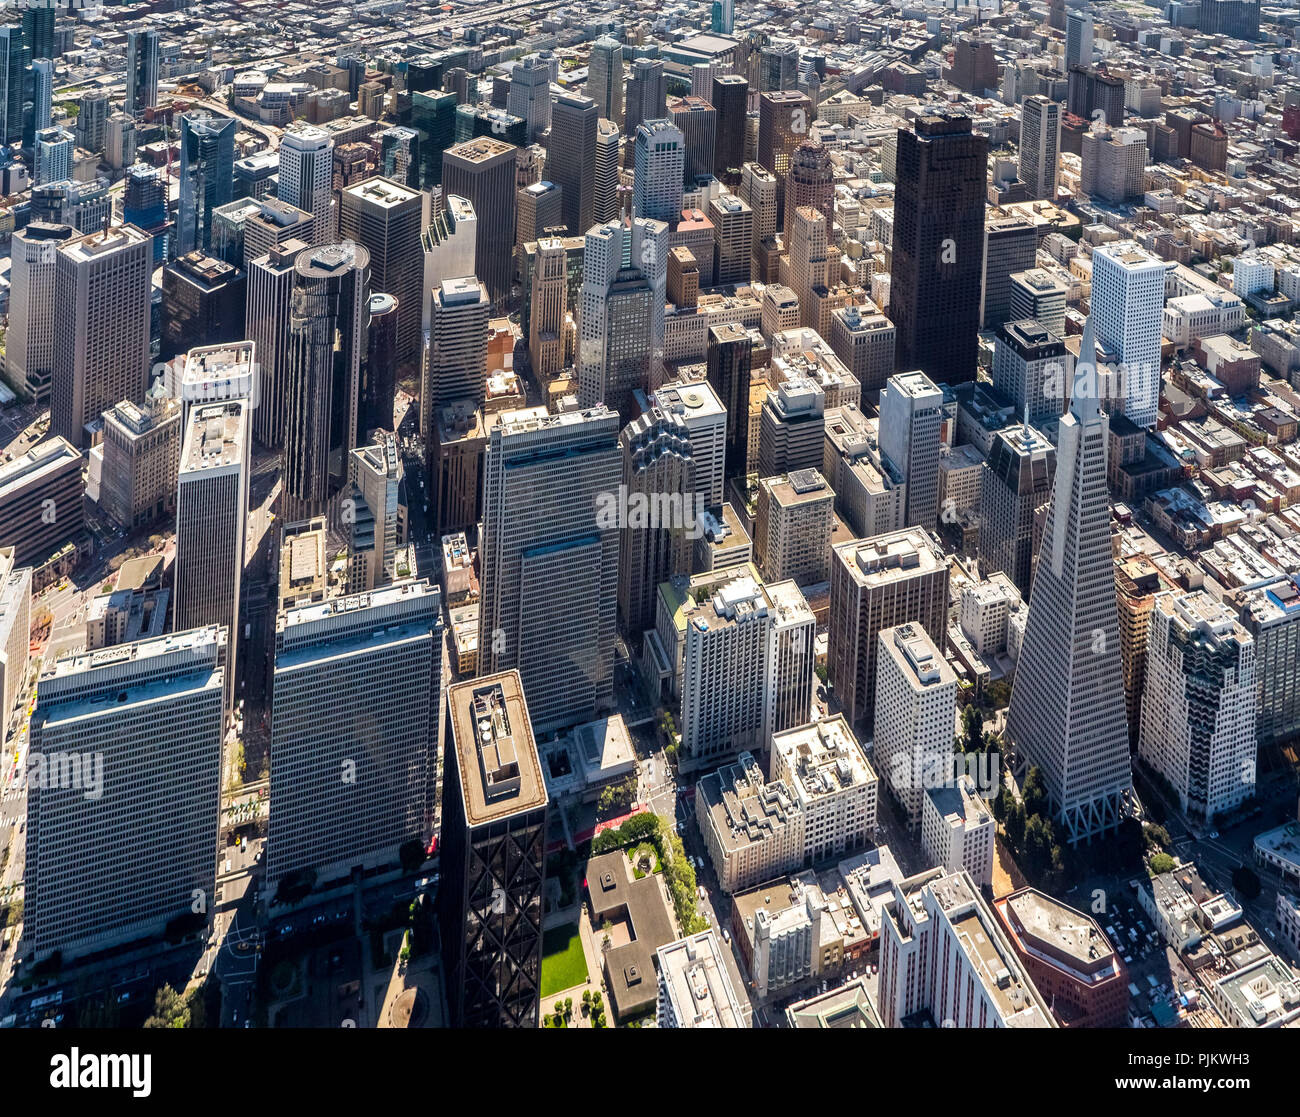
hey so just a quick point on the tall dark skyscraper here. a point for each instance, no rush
(647, 94)
(697, 121)
(207, 177)
(730, 98)
(784, 117)
(14, 65)
(38, 31)
(938, 265)
(730, 358)
(433, 115)
(141, 72)
(571, 159)
(483, 171)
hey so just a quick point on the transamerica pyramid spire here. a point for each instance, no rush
(1067, 705)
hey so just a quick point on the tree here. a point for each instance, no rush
(172, 1010)
(1015, 824)
(1033, 794)
(999, 804)
(411, 854)
(617, 798)
(972, 727)
(1162, 863)
(1156, 835)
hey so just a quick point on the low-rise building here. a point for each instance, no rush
(1263, 995)
(695, 990)
(753, 829)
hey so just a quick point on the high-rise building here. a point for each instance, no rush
(697, 120)
(148, 714)
(207, 174)
(695, 989)
(1238, 19)
(29, 346)
(42, 498)
(730, 360)
(42, 114)
(1040, 146)
(353, 779)
(731, 99)
(388, 219)
(865, 343)
(119, 141)
(1095, 95)
(571, 159)
(307, 177)
(1067, 704)
(810, 182)
(493, 855)
(483, 172)
(93, 110)
(879, 583)
(1128, 295)
(538, 207)
(549, 309)
(379, 376)
(1271, 614)
(605, 79)
(916, 704)
(697, 404)
(660, 159)
(267, 314)
(758, 188)
(1114, 164)
(142, 453)
(275, 223)
(656, 507)
(1029, 363)
(1039, 295)
(203, 301)
(448, 243)
(733, 239)
(433, 116)
(141, 72)
(1198, 712)
(101, 306)
(605, 204)
(38, 32)
(544, 476)
(938, 247)
(1017, 480)
(530, 95)
(211, 522)
(52, 156)
(647, 94)
(15, 62)
(911, 415)
(784, 119)
(15, 634)
(1078, 39)
(1010, 246)
(792, 530)
(456, 359)
(377, 480)
(723, 17)
(321, 381)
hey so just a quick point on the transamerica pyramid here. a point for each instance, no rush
(1067, 704)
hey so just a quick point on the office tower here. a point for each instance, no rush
(911, 415)
(1114, 164)
(605, 78)
(697, 405)
(52, 156)
(722, 17)
(307, 177)
(1029, 363)
(354, 731)
(792, 533)
(203, 302)
(778, 66)
(655, 508)
(615, 318)
(1039, 295)
(433, 115)
(733, 239)
(530, 95)
(647, 94)
(683, 278)
(543, 478)
(456, 359)
(1238, 19)
(387, 218)
(1078, 39)
(483, 172)
(730, 359)
(1010, 246)
(379, 370)
(14, 63)
(810, 182)
(15, 632)
(938, 250)
(758, 188)
(448, 243)
(780, 311)
(211, 522)
(809, 263)
(571, 159)
(916, 702)
(730, 98)
(1198, 712)
(144, 205)
(493, 855)
(228, 223)
(1096, 95)
(792, 427)
(42, 115)
(784, 117)
(1040, 146)
(101, 306)
(472, 122)
(1067, 705)
(697, 120)
(370, 99)
(93, 111)
(257, 176)
(1271, 615)
(537, 208)
(1017, 480)
(660, 159)
(399, 155)
(321, 381)
(149, 714)
(142, 451)
(38, 32)
(41, 500)
(878, 583)
(945, 958)
(549, 298)
(605, 204)
(119, 141)
(695, 989)
(30, 343)
(267, 313)
(377, 477)
(141, 72)
(865, 343)
(1128, 293)
(275, 223)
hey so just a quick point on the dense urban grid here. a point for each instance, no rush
(618, 514)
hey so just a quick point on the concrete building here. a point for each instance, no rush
(1271, 614)
(307, 177)
(1017, 481)
(792, 537)
(1128, 294)
(41, 501)
(695, 990)
(911, 415)
(142, 451)
(957, 830)
(1114, 164)
(1010, 246)
(865, 343)
(1040, 146)
(29, 343)
(792, 430)
(482, 171)
(697, 404)
(15, 633)
(1039, 295)
(753, 829)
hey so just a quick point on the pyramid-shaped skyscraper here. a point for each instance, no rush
(1067, 705)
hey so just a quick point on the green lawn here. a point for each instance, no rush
(563, 965)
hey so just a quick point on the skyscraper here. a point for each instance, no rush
(1029, 364)
(549, 298)
(697, 120)
(1010, 246)
(92, 120)
(148, 714)
(1016, 481)
(448, 243)
(660, 163)
(207, 174)
(307, 177)
(101, 304)
(354, 730)
(1040, 146)
(938, 249)
(911, 414)
(456, 360)
(647, 94)
(605, 203)
(14, 63)
(211, 522)
(38, 31)
(388, 218)
(493, 855)
(733, 239)
(1067, 705)
(605, 78)
(42, 115)
(784, 117)
(731, 99)
(810, 182)
(730, 358)
(483, 172)
(141, 72)
(433, 116)
(1128, 297)
(52, 156)
(267, 313)
(1078, 39)
(530, 95)
(571, 159)
(30, 343)
(544, 477)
